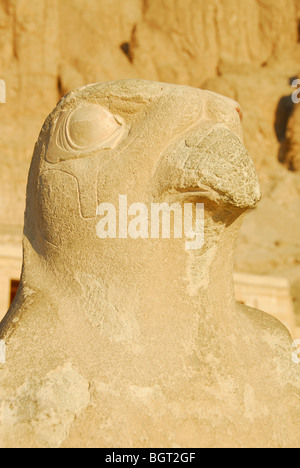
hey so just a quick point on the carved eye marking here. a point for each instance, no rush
(86, 128)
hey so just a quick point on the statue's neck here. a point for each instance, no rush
(153, 291)
(151, 299)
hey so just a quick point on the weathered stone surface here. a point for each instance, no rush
(145, 335)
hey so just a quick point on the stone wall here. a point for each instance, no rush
(246, 50)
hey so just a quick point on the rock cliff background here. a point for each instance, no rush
(246, 49)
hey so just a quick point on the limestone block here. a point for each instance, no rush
(129, 338)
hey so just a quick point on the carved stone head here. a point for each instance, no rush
(149, 141)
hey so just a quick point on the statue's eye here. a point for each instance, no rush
(84, 129)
